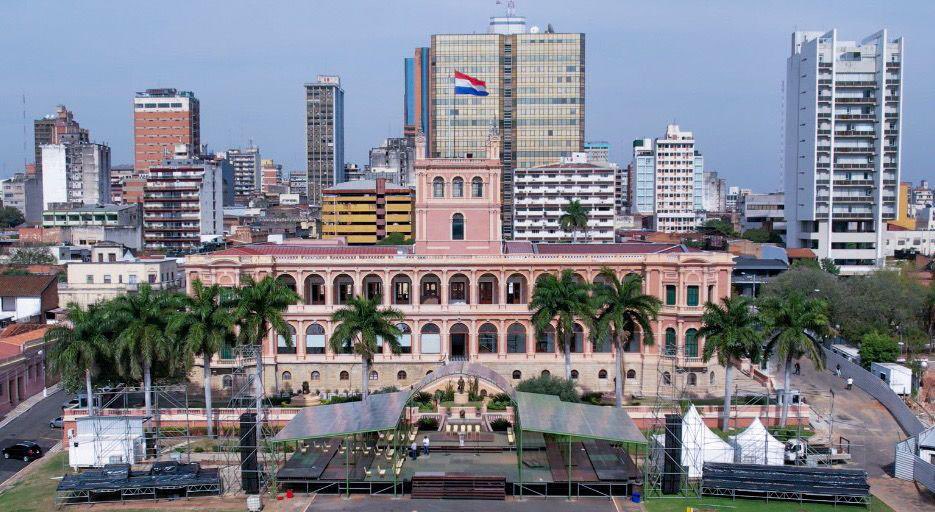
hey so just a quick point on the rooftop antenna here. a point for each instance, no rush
(510, 7)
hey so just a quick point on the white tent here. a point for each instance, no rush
(700, 444)
(755, 445)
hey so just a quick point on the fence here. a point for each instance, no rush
(878, 389)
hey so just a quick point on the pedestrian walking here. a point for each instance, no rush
(798, 368)
(425, 445)
(850, 382)
(414, 451)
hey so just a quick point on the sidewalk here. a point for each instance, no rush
(28, 403)
(29, 468)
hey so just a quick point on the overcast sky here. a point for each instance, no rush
(714, 67)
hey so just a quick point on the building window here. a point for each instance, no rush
(438, 187)
(670, 342)
(457, 187)
(315, 339)
(517, 375)
(89, 279)
(374, 375)
(691, 343)
(315, 290)
(227, 382)
(667, 378)
(516, 339)
(477, 187)
(316, 375)
(574, 375)
(402, 290)
(631, 374)
(457, 227)
(545, 341)
(107, 279)
(487, 339)
(286, 376)
(546, 373)
(344, 375)
(400, 375)
(711, 378)
(670, 295)
(692, 296)
(283, 346)
(430, 339)
(602, 374)
(516, 289)
(404, 339)
(692, 379)
(9, 303)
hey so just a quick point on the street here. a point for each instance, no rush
(32, 425)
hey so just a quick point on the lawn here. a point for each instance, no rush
(740, 505)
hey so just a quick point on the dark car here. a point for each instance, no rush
(25, 450)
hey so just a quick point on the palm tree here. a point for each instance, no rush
(79, 346)
(559, 299)
(729, 331)
(794, 325)
(574, 217)
(141, 341)
(624, 308)
(204, 325)
(259, 308)
(359, 324)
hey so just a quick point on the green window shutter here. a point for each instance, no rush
(691, 343)
(670, 295)
(692, 296)
(670, 342)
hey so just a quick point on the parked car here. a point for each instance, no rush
(71, 404)
(25, 450)
(56, 423)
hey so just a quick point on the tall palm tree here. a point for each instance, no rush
(574, 217)
(141, 320)
(204, 324)
(624, 308)
(794, 325)
(560, 300)
(259, 308)
(729, 331)
(79, 346)
(359, 324)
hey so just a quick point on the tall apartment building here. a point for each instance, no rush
(541, 193)
(366, 211)
(598, 153)
(270, 176)
(247, 170)
(668, 180)
(734, 197)
(843, 119)
(535, 80)
(183, 202)
(298, 183)
(119, 174)
(163, 118)
(53, 128)
(715, 193)
(416, 102)
(324, 135)
(393, 159)
(763, 211)
(23, 191)
(75, 172)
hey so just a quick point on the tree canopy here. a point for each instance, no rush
(10, 217)
(32, 255)
(876, 347)
(564, 389)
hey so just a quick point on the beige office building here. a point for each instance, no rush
(535, 81)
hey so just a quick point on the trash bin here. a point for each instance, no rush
(635, 498)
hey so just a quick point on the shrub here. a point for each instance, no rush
(593, 398)
(422, 398)
(876, 347)
(386, 389)
(428, 423)
(548, 385)
(499, 402)
(500, 425)
(340, 399)
(199, 449)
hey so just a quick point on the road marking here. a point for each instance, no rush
(613, 499)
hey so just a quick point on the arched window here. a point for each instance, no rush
(315, 290)
(404, 339)
(227, 381)
(457, 187)
(428, 372)
(711, 378)
(287, 280)
(316, 375)
(577, 341)
(284, 347)
(286, 376)
(487, 339)
(344, 375)
(667, 378)
(516, 339)
(402, 289)
(438, 187)
(631, 374)
(602, 374)
(546, 373)
(400, 375)
(477, 187)
(459, 289)
(430, 339)
(545, 341)
(670, 349)
(343, 289)
(457, 227)
(516, 289)
(315, 339)
(574, 375)
(374, 375)
(691, 343)
(429, 287)
(693, 379)
(517, 375)
(373, 287)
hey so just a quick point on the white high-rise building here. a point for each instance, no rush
(77, 172)
(842, 167)
(541, 193)
(668, 180)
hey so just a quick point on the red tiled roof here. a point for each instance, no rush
(7, 350)
(518, 247)
(14, 329)
(621, 248)
(25, 286)
(23, 338)
(800, 253)
(310, 250)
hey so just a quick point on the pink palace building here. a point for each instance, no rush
(465, 293)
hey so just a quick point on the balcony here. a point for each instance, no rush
(852, 101)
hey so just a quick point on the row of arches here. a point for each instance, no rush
(455, 189)
(691, 378)
(460, 290)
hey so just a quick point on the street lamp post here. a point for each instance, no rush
(831, 428)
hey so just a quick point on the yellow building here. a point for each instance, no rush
(902, 214)
(366, 211)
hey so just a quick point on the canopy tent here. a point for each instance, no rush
(755, 445)
(379, 412)
(699, 444)
(549, 415)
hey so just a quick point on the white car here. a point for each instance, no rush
(56, 423)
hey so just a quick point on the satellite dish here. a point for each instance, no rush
(534, 30)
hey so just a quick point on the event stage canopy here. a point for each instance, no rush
(549, 415)
(378, 413)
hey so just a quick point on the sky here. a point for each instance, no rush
(714, 67)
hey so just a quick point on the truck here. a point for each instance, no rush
(800, 451)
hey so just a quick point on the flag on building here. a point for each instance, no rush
(466, 84)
